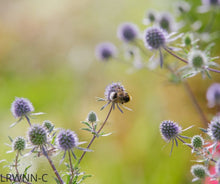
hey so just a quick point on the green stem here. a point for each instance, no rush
(94, 136)
(71, 167)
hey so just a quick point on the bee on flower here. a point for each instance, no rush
(116, 95)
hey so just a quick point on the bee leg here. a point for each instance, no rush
(119, 108)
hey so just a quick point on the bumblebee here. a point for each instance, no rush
(120, 97)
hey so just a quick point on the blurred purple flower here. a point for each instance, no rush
(127, 32)
(105, 51)
(213, 95)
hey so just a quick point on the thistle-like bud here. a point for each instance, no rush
(154, 38)
(19, 144)
(66, 140)
(199, 171)
(127, 32)
(92, 117)
(197, 141)
(169, 130)
(187, 39)
(21, 107)
(197, 59)
(37, 135)
(48, 124)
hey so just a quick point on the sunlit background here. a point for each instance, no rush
(47, 56)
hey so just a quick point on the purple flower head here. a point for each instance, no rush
(127, 32)
(105, 51)
(213, 95)
(210, 2)
(67, 140)
(214, 129)
(182, 7)
(116, 95)
(166, 22)
(150, 17)
(154, 38)
(37, 135)
(169, 130)
(112, 89)
(21, 107)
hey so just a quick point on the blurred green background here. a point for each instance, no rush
(47, 56)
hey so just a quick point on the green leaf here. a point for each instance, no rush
(86, 123)
(105, 135)
(204, 130)
(86, 129)
(53, 140)
(10, 139)
(26, 169)
(189, 74)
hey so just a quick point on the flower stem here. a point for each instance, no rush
(195, 102)
(71, 167)
(28, 120)
(16, 163)
(185, 61)
(52, 165)
(192, 97)
(94, 136)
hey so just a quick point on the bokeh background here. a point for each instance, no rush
(47, 56)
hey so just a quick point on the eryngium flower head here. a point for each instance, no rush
(92, 117)
(213, 95)
(105, 51)
(166, 22)
(67, 140)
(211, 2)
(48, 124)
(214, 129)
(197, 141)
(154, 38)
(169, 130)
(127, 32)
(199, 171)
(19, 144)
(217, 167)
(182, 7)
(37, 135)
(197, 59)
(21, 107)
(113, 88)
(150, 17)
